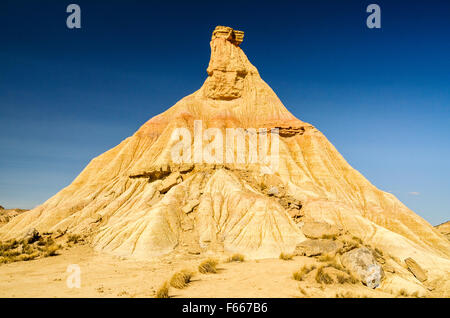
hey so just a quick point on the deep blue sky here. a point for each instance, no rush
(382, 97)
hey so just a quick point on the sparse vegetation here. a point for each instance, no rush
(163, 291)
(208, 266)
(23, 250)
(300, 275)
(303, 291)
(343, 279)
(236, 258)
(286, 256)
(350, 245)
(378, 251)
(74, 238)
(325, 258)
(404, 293)
(322, 277)
(349, 294)
(181, 279)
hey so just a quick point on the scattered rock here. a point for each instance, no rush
(317, 247)
(362, 264)
(189, 207)
(415, 269)
(319, 229)
(31, 236)
(296, 214)
(170, 181)
(195, 250)
(273, 191)
(187, 224)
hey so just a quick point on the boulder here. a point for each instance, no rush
(31, 236)
(319, 229)
(415, 269)
(273, 191)
(190, 205)
(173, 179)
(362, 264)
(1, 208)
(317, 247)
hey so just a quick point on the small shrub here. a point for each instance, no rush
(337, 266)
(403, 292)
(322, 277)
(163, 291)
(74, 238)
(325, 258)
(300, 275)
(208, 266)
(236, 258)
(181, 279)
(51, 250)
(286, 256)
(346, 295)
(303, 291)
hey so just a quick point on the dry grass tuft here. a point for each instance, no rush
(322, 277)
(300, 275)
(326, 258)
(348, 294)
(163, 291)
(303, 291)
(208, 266)
(236, 258)
(181, 279)
(343, 279)
(286, 256)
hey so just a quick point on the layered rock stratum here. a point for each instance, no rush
(135, 201)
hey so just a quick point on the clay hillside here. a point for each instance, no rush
(134, 201)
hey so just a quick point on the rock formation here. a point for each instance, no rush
(444, 228)
(7, 214)
(134, 200)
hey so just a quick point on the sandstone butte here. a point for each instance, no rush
(133, 201)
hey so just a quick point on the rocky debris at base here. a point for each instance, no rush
(415, 269)
(317, 247)
(361, 263)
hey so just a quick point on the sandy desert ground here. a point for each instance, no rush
(104, 275)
